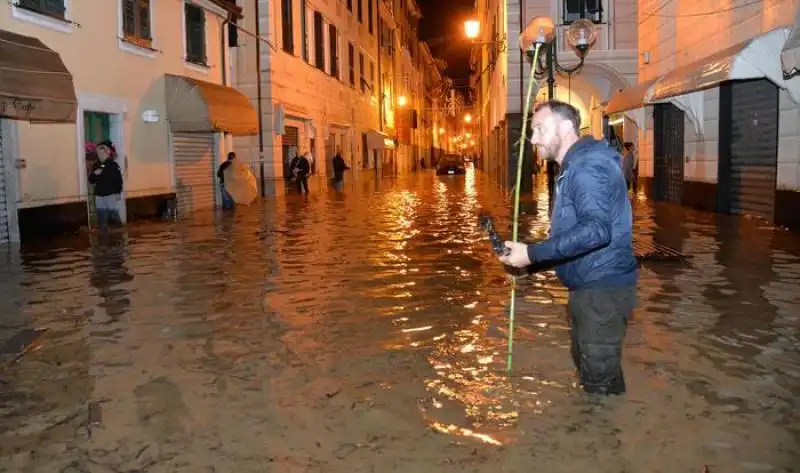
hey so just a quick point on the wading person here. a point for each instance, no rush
(107, 179)
(300, 168)
(590, 244)
(339, 167)
(227, 199)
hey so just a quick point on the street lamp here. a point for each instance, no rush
(468, 118)
(402, 101)
(472, 28)
(540, 31)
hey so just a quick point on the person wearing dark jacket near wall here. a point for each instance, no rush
(106, 176)
(590, 243)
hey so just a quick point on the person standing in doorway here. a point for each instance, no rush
(630, 165)
(300, 168)
(227, 199)
(106, 176)
(590, 243)
(339, 167)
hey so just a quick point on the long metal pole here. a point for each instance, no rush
(259, 98)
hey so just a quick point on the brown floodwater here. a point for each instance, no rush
(366, 331)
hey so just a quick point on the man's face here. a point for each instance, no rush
(546, 137)
(103, 153)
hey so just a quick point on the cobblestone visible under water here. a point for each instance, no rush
(366, 331)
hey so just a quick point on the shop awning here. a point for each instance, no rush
(632, 98)
(379, 140)
(197, 106)
(35, 85)
(756, 58)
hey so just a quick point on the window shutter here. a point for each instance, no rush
(195, 34)
(144, 19)
(54, 6)
(129, 17)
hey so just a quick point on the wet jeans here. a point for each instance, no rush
(107, 208)
(599, 319)
(227, 200)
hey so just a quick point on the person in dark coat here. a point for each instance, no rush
(590, 243)
(300, 169)
(106, 176)
(339, 167)
(227, 199)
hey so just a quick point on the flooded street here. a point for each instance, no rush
(366, 332)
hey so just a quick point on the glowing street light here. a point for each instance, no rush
(468, 118)
(472, 28)
(441, 131)
(402, 101)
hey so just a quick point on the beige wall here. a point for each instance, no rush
(109, 76)
(309, 95)
(681, 34)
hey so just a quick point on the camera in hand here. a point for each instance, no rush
(498, 246)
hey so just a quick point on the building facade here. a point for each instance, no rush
(341, 75)
(501, 72)
(716, 109)
(148, 75)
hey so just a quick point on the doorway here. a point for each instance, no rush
(668, 153)
(98, 127)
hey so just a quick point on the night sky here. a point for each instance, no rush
(442, 25)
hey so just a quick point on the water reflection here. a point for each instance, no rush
(369, 328)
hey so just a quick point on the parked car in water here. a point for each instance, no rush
(451, 164)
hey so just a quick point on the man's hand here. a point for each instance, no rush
(98, 171)
(518, 257)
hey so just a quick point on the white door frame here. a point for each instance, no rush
(118, 109)
(9, 156)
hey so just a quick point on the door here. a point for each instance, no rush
(668, 153)
(748, 155)
(364, 151)
(195, 171)
(290, 142)
(99, 127)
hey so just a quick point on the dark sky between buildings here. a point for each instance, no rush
(442, 26)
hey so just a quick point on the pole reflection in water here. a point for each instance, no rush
(365, 330)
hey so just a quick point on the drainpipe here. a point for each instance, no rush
(380, 60)
(222, 45)
(259, 100)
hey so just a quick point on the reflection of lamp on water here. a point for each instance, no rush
(402, 101)
(441, 131)
(468, 118)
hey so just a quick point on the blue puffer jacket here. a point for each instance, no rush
(590, 233)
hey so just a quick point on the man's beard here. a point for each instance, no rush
(550, 151)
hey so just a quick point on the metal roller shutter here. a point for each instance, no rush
(4, 230)
(754, 148)
(195, 171)
(668, 153)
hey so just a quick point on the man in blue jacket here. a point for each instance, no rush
(590, 244)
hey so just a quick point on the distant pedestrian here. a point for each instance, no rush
(590, 243)
(227, 199)
(106, 176)
(339, 167)
(630, 165)
(299, 169)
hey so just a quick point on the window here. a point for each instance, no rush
(577, 9)
(319, 42)
(287, 26)
(304, 27)
(372, 75)
(350, 5)
(360, 11)
(136, 22)
(55, 8)
(333, 48)
(351, 61)
(195, 19)
(361, 72)
(370, 15)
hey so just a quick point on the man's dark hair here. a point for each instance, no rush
(564, 111)
(231, 155)
(628, 145)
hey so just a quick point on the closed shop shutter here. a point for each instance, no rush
(4, 230)
(195, 171)
(668, 153)
(753, 149)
